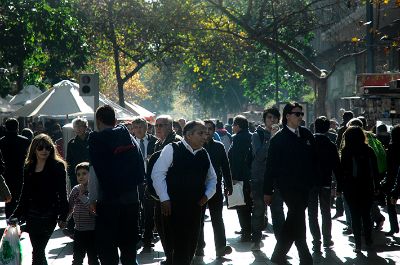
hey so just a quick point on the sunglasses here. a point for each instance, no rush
(44, 146)
(298, 114)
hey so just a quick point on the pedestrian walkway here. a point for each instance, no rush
(387, 249)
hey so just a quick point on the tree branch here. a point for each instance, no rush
(341, 58)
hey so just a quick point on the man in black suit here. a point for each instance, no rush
(14, 148)
(290, 165)
(146, 143)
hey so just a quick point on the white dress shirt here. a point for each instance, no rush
(164, 162)
(146, 144)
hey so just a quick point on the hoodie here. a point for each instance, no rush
(117, 162)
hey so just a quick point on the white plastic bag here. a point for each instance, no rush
(10, 247)
(237, 197)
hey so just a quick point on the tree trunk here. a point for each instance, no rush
(321, 87)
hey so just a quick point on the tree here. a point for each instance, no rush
(283, 27)
(137, 31)
(40, 41)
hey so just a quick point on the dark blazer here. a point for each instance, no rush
(240, 155)
(14, 148)
(77, 152)
(151, 145)
(290, 161)
(220, 162)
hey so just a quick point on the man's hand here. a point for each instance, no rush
(203, 200)
(62, 224)
(234, 181)
(268, 199)
(228, 191)
(338, 194)
(8, 199)
(166, 208)
(92, 208)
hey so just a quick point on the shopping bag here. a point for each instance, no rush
(10, 247)
(237, 197)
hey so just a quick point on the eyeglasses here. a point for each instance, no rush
(160, 125)
(44, 146)
(298, 114)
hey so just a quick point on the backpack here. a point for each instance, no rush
(379, 151)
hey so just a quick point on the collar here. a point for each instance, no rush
(188, 147)
(292, 129)
(144, 138)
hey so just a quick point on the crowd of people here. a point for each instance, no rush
(130, 182)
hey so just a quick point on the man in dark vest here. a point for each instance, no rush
(14, 148)
(118, 165)
(291, 163)
(220, 163)
(184, 180)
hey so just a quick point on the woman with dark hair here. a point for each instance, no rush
(43, 202)
(393, 163)
(360, 172)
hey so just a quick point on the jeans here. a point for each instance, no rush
(40, 231)
(117, 228)
(258, 214)
(84, 242)
(360, 209)
(148, 205)
(323, 196)
(215, 205)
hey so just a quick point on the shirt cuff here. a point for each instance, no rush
(164, 197)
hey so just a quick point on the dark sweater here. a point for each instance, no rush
(328, 160)
(77, 152)
(220, 163)
(44, 193)
(187, 176)
(290, 161)
(240, 156)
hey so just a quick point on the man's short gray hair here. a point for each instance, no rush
(165, 117)
(79, 122)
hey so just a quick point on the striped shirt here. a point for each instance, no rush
(79, 206)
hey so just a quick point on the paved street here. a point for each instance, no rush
(59, 250)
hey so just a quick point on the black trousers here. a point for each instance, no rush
(40, 231)
(117, 228)
(149, 207)
(323, 196)
(294, 227)
(360, 211)
(215, 206)
(391, 209)
(244, 212)
(85, 242)
(163, 226)
(184, 233)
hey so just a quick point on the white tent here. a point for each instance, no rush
(64, 99)
(5, 107)
(27, 93)
(140, 111)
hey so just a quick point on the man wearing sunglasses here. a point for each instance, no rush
(290, 166)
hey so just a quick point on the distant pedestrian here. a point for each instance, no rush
(360, 174)
(84, 235)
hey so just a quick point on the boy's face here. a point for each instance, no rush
(82, 176)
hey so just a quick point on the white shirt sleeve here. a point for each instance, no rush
(159, 173)
(211, 181)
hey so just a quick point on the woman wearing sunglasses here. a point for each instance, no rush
(43, 202)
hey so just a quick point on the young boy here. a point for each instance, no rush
(84, 235)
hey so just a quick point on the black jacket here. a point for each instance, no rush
(240, 155)
(151, 145)
(44, 196)
(328, 160)
(360, 173)
(14, 149)
(171, 138)
(219, 160)
(290, 161)
(77, 152)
